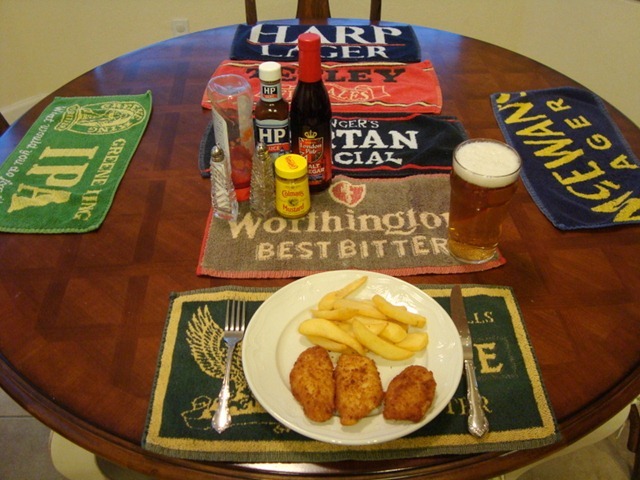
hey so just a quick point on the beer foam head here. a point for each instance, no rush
(487, 163)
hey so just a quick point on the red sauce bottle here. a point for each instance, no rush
(310, 115)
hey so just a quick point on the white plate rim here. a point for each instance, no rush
(266, 361)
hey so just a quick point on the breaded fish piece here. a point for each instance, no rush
(358, 387)
(410, 394)
(312, 383)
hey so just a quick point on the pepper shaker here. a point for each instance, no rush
(262, 197)
(223, 195)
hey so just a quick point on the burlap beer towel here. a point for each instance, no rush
(393, 226)
(63, 175)
(190, 370)
(577, 166)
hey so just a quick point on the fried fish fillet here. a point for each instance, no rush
(313, 385)
(410, 394)
(358, 387)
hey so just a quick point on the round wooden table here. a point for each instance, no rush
(83, 315)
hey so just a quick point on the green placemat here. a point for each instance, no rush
(64, 173)
(189, 377)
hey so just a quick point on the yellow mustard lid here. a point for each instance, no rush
(291, 166)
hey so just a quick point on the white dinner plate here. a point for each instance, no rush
(272, 344)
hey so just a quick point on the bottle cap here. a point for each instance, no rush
(309, 41)
(262, 152)
(291, 166)
(270, 71)
(217, 154)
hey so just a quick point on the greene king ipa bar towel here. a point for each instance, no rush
(577, 166)
(357, 87)
(340, 43)
(63, 175)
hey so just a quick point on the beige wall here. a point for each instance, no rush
(46, 43)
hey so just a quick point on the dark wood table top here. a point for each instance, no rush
(82, 315)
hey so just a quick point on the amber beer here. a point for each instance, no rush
(483, 180)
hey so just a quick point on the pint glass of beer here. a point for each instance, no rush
(483, 180)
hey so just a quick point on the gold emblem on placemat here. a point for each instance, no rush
(101, 118)
(204, 337)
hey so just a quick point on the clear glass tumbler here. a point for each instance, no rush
(231, 100)
(483, 181)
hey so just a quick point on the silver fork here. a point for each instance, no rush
(234, 324)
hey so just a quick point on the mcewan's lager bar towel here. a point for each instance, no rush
(191, 367)
(340, 43)
(576, 164)
(64, 173)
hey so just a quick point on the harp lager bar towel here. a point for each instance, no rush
(340, 43)
(64, 173)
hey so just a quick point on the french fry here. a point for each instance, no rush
(328, 344)
(321, 327)
(343, 325)
(414, 341)
(404, 326)
(378, 345)
(363, 308)
(399, 313)
(327, 302)
(368, 320)
(375, 328)
(346, 326)
(340, 314)
(393, 332)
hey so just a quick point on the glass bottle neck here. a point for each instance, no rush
(310, 69)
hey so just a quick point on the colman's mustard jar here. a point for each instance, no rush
(292, 186)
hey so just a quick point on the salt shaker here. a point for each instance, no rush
(223, 195)
(262, 197)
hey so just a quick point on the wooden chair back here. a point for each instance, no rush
(4, 125)
(312, 11)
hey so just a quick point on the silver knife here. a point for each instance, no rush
(477, 423)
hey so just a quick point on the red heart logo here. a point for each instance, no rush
(347, 194)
